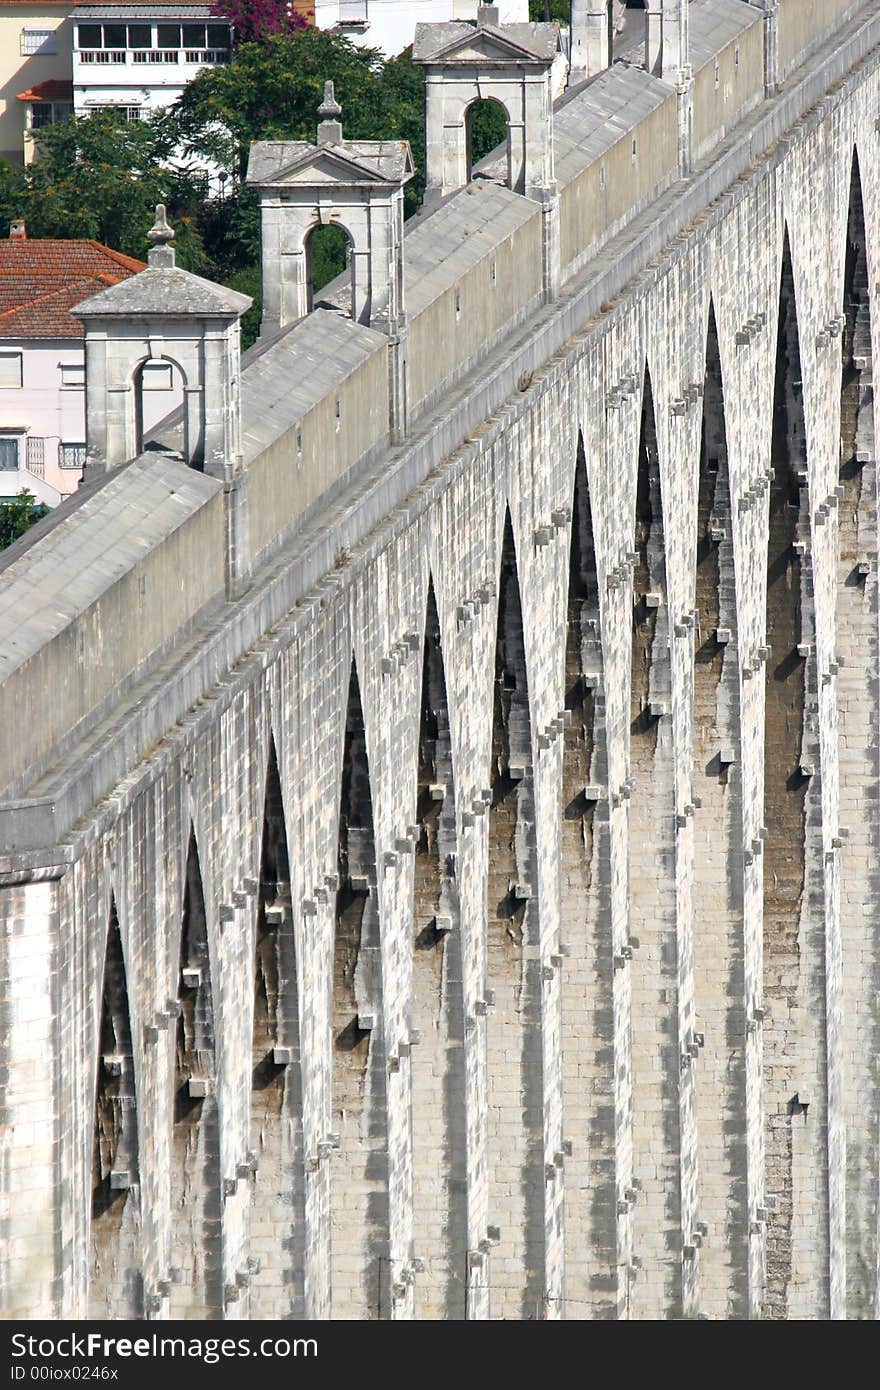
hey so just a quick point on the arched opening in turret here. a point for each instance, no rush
(514, 1045)
(654, 962)
(158, 387)
(328, 255)
(486, 126)
(586, 991)
(438, 1065)
(858, 706)
(115, 1276)
(360, 1267)
(791, 806)
(277, 1220)
(718, 897)
(196, 1224)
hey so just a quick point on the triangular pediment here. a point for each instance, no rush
(487, 46)
(327, 166)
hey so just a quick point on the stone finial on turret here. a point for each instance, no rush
(160, 237)
(330, 127)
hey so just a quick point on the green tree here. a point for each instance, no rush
(17, 514)
(100, 177)
(542, 10)
(271, 91)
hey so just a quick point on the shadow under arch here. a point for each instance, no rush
(858, 702)
(514, 1030)
(159, 387)
(360, 1246)
(115, 1276)
(196, 1200)
(328, 251)
(719, 945)
(486, 127)
(656, 1216)
(438, 1065)
(278, 1211)
(586, 988)
(792, 810)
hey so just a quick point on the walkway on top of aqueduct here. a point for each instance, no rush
(376, 1030)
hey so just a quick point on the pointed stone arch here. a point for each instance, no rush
(718, 889)
(196, 1201)
(656, 1216)
(514, 1039)
(360, 1250)
(586, 990)
(858, 703)
(115, 1276)
(278, 1216)
(792, 883)
(438, 1066)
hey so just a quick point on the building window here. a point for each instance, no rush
(71, 456)
(140, 36)
(127, 113)
(44, 113)
(73, 374)
(38, 41)
(8, 453)
(101, 43)
(10, 371)
(36, 455)
(353, 12)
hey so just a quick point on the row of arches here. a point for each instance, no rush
(786, 864)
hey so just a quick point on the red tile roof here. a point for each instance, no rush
(55, 89)
(41, 281)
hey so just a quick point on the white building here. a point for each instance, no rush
(389, 25)
(42, 361)
(140, 57)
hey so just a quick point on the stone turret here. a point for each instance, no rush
(165, 314)
(509, 63)
(353, 184)
(591, 38)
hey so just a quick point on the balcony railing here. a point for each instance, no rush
(155, 55)
(207, 55)
(102, 55)
(72, 455)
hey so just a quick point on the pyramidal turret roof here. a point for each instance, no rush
(277, 162)
(465, 42)
(163, 288)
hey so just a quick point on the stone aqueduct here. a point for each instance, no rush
(440, 828)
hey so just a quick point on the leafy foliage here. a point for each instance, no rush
(17, 514)
(487, 127)
(100, 177)
(254, 19)
(542, 10)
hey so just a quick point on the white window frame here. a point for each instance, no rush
(73, 376)
(15, 437)
(12, 357)
(44, 41)
(62, 458)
